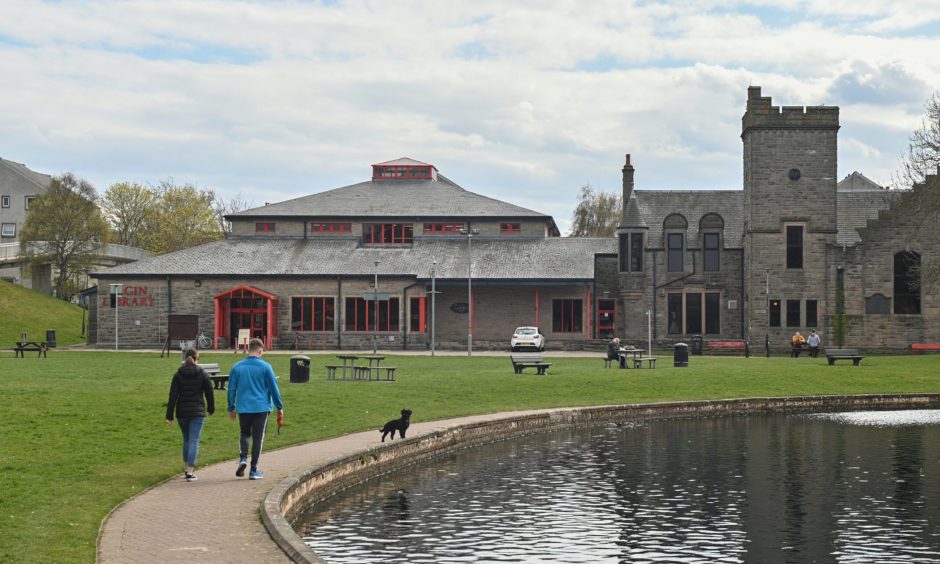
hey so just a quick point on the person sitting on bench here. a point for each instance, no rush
(613, 352)
(797, 342)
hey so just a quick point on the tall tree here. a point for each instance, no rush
(597, 214)
(65, 228)
(183, 217)
(920, 170)
(130, 208)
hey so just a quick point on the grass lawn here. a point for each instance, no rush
(85, 430)
(22, 309)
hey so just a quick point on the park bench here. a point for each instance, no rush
(218, 380)
(649, 360)
(374, 373)
(920, 348)
(832, 355)
(22, 347)
(522, 361)
(740, 347)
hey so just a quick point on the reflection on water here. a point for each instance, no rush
(862, 487)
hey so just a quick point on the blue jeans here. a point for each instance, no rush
(192, 430)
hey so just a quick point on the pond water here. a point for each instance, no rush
(836, 487)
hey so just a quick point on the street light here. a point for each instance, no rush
(433, 305)
(469, 233)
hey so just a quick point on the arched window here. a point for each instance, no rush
(711, 226)
(674, 227)
(906, 283)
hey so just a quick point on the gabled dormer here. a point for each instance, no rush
(403, 169)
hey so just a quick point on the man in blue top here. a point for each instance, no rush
(252, 393)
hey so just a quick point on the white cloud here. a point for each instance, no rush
(525, 101)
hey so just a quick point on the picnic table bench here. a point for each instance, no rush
(649, 360)
(22, 347)
(218, 380)
(522, 361)
(832, 355)
(740, 347)
(352, 371)
(920, 348)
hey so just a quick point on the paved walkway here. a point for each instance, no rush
(216, 518)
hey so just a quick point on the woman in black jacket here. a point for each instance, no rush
(190, 384)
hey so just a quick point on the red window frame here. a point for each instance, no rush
(265, 227)
(567, 315)
(443, 227)
(418, 317)
(331, 228)
(387, 234)
(360, 315)
(313, 313)
(406, 172)
(510, 228)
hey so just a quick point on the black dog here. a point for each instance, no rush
(400, 425)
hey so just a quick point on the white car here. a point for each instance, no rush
(527, 338)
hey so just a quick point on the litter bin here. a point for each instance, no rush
(680, 355)
(50, 338)
(299, 369)
(696, 345)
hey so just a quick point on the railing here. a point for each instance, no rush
(11, 252)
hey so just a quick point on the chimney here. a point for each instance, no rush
(627, 181)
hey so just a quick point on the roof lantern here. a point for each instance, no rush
(403, 169)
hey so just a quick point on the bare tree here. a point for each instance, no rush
(224, 207)
(597, 214)
(923, 152)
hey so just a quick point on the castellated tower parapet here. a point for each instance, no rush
(761, 114)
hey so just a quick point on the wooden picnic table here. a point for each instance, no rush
(374, 365)
(29, 346)
(629, 351)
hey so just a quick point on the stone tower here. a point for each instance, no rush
(789, 216)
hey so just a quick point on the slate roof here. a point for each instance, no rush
(406, 199)
(39, 179)
(656, 205)
(855, 209)
(559, 259)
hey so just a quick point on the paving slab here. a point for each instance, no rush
(216, 518)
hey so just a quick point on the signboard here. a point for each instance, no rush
(460, 307)
(369, 296)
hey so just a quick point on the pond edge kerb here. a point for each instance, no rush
(303, 489)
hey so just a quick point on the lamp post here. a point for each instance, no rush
(375, 300)
(433, 305)
(116, 290)
(469, 233)
(767, 292)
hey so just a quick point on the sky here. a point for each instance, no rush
(521, 101)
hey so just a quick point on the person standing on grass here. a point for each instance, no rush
(252, 393)
(813, 342)
(189, 386)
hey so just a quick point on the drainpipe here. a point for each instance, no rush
(744, 334)
(655, 325)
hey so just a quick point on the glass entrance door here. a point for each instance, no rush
(248, 310)
(605, 319)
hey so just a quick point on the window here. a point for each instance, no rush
(29, 201)
(443, 227)
(510, 228)
(312, 314)
(811, 317)
(417, 319)
(402, 172)
(4, 201)
(387, 234)
(793, 313)
(685, 313)
(264, 228)
(775, 313)
(794, 246)
(360, 315)
(331, 228)
(674, 252)
(907, 283)
(712, 313)
(631, 252)
(711, 254)
(8, 230)
(566, 316)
